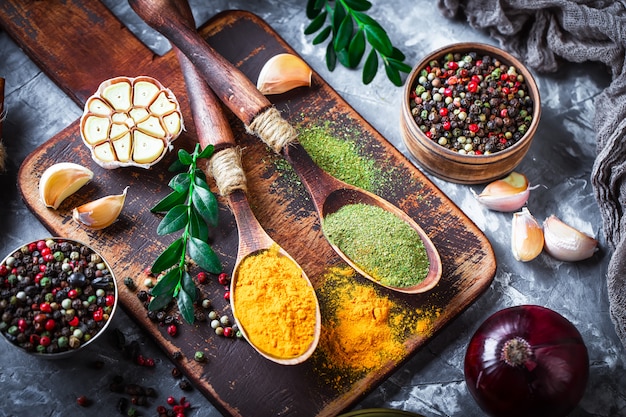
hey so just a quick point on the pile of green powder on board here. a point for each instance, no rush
(380, 243)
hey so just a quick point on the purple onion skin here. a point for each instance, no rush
(549, 384)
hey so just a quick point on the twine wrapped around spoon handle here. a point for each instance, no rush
(232, 87)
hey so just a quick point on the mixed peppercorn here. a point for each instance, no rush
(471, 104)
(55, 296)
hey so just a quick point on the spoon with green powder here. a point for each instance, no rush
(212, 128)
(250, 106)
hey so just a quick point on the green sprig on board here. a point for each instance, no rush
(192, 208)
(349, 29)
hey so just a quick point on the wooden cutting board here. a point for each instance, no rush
(78, 44)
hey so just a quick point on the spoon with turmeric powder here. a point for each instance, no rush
(267, 286)
(249, 105)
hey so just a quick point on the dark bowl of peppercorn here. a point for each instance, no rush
(57, 296)
(469, 112)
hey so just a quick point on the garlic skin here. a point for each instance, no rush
(61, 180)
(507, 195)
(526, 237)
(100, 213)
(283, 72)
(565, 243)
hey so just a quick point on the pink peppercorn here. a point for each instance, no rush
(172, 330)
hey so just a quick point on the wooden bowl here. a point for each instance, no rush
(449, 164)
(74, 266)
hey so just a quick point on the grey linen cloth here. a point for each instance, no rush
(546, 33)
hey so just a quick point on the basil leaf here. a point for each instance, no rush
(160, 302)
(170, 256)
(205, 202)
(379, 40)
(207, 152)
(344, 34)
(316, 24)
(370, 68)
(175, 219)
(185, 157)
(180, 182)
(322, 36)
(356, 50)
(359, 5)
(204, 256)
(171, 200)
(167, 284)
(185, 306)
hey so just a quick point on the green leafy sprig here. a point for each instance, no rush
(349, 28)
(192, 208)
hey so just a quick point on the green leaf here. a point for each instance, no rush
(175, 219)
(170, 256)
(205, 202)
(397, 55)
(344, 34)
(168, 283)
(393, 75)
(171, 200)
(322, 36)
(180, 182)
(185, 306)
(176, 166)
(160, 302)
(207, 152)
(339, 14)
(398, 65)
(200, 174)
(188, 285)
(344, 58)
(370, 68)
(365, 20)
(314, 7)
(331, 57)
(316, 24)
(359, 5)
(379, 40)
(356, 49)
(185, 157)
(204, 256)
(197, 226)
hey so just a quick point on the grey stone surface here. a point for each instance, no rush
(431, 383)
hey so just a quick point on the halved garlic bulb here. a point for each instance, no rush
(130, 122)
(61, 180)
(565, 243)
(283, 72)
(507, 194)
(526, 236)
(100, 213)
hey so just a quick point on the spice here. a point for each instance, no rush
(274, 304)
(380, 243)
(471, 104)
(362, 330)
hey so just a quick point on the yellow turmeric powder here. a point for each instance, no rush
(275, 305)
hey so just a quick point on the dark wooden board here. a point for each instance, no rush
(236, 379)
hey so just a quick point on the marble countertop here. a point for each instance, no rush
(430, 383)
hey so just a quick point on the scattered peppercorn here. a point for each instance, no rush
(83, 401)
(199, 356)
(185, 385)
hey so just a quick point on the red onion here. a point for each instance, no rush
(527, 361)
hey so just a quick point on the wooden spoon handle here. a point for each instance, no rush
(234, 89)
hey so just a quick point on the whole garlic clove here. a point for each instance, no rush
(100, 213)
(565, 243)
(526, 237)
(283, 72)
(130, 122)
(507, 194)
(61, 180)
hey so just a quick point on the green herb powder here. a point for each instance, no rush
(380, 243)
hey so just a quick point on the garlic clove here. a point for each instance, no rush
(565, 243)
(61, 180)
(507, 194)
(526, 237)
(100, 213)
(284, 72)
(120, 108)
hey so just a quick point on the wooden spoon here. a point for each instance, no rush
(239, 94)
(212, 128)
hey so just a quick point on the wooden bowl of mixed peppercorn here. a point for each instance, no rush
(57, 296)
(469, 112)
